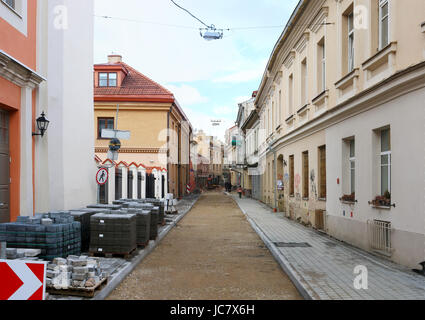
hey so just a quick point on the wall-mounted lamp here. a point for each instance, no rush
(42, 125)
(285, 164)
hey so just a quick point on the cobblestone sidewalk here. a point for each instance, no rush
(324, 269)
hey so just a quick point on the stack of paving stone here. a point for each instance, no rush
(56, 234)
(74, 272)
(105, 206)
(154, 216)
(161, 205)
(113, 233)
(143, 225)
(83, 216)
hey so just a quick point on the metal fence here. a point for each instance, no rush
(380, 236)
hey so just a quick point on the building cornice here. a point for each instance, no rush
(132, 150)
(18, 73)
(401, 83)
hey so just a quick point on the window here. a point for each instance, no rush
(291, 95)
(305, 175)
(291, 176)
(352, 166)
(321, 72)
(385, 162)
(304, 81)
(280, 107)
(383, 23)
(104, 123)
(322, 172)
(10, 3)
(350, 42)
(107, 79)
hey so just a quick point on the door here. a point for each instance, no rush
(150, 186)
(4, 168)
(163, 187)
(118, 184)
(130, 185)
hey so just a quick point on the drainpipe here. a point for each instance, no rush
(168, 149)
(270, 149)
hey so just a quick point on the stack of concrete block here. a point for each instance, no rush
(154, 223)
(113, 233)
(105, 206)
(56, 234)
(161, 204)
(143, 225)
(74, 272)
(83, 216)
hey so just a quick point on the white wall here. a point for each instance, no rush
(406, 116)
(64, 159)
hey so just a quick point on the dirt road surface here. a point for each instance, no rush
(212, 254)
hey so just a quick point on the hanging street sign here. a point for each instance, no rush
(119, 134)
(102, 176)
(22, 280)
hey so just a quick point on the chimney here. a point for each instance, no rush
(114, 59)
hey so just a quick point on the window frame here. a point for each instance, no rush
(350, 36)
(99, 133)
(305, 175)
(323, 65)
(108, 80)
(351, 161)
(388, 165)
(382, 4)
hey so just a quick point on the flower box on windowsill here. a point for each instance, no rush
(381, 202)
(348, 198)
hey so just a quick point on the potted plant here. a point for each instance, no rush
(382, 201)
(349, 197)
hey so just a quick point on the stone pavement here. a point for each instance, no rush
(119, 268)
(325, 269)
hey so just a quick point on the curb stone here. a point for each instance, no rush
(284, 264)
(116, 281)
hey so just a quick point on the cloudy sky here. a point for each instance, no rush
(209, 78)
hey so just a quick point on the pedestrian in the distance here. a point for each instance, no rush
(240, 192)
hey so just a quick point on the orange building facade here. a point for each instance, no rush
(18, 89)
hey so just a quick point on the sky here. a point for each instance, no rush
(208, 78)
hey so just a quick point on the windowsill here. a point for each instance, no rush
(306, 199)
(347, 80)
(303, 109)
(380, 57)
(322, 199)
(349, 202)
(290, 119)
(320, 97)
(291, 196)
(11, 9)
(382, 207)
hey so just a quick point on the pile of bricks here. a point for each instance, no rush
(74, 272)
(56, 234)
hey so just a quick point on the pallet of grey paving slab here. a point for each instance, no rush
(123, 228)
(105, 206)
(79, 292)
(154, 225)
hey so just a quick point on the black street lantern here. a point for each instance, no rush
(42, 125)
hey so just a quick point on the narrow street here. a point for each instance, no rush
(213, 253)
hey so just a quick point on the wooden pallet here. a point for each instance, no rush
(143, 245)
(124, 255)
(79, 292)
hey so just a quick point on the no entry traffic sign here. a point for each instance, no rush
(102, 176)
(20, 280)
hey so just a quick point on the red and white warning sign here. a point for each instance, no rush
(102, 176)
(22, 280)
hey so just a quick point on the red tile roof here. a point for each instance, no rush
(134, 84)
